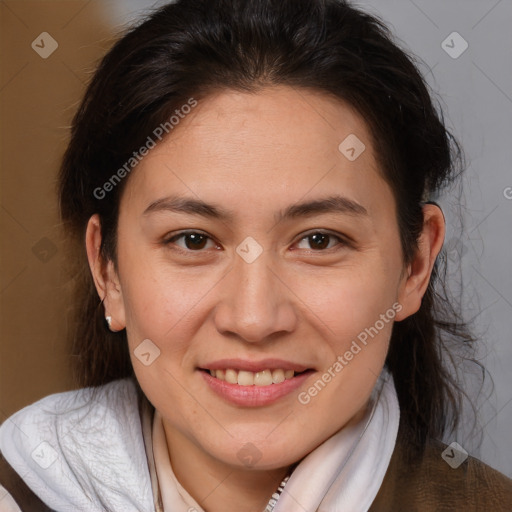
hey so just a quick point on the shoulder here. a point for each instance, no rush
(74, 436)
(55, 414)
(54, 410)
(433, 484)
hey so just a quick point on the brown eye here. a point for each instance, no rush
(195, 241)
(319, 241)
(192, 241)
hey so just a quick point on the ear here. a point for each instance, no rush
(104, 275)
(417, 277)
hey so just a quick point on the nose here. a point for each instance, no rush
(256, 303)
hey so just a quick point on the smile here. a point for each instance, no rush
(247, 378)
(254, 384)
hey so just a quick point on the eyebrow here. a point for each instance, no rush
(189, 206)
(331, 204)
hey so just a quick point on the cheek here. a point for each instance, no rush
(161, 306)
(359, 312)
(349, 301)
(359, 307)
(159, 301)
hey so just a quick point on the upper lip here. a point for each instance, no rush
(255, 366)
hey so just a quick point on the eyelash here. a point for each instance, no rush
(344, 242)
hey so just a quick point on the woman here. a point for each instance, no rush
(259, 327)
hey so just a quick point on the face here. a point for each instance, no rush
(250, 249)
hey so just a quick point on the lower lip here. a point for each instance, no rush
(254, 396)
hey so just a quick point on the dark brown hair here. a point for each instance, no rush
(193, 47)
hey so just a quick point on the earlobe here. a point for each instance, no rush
(419, 271)
(104, 275)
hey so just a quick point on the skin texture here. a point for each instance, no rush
(255, 155)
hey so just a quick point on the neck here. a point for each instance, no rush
(216, 486)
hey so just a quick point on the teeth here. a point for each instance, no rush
(263, 378)
(278, 376)
(244, 378)
(231, 376)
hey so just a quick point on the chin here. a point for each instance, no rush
(255, 453)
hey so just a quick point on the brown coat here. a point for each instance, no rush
(432, 486)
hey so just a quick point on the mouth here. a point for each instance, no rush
(254, 384)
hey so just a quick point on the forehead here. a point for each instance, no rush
(280, 144)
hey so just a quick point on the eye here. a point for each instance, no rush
(191, 241)
(319, 241)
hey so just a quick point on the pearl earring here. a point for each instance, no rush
(109, 321)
